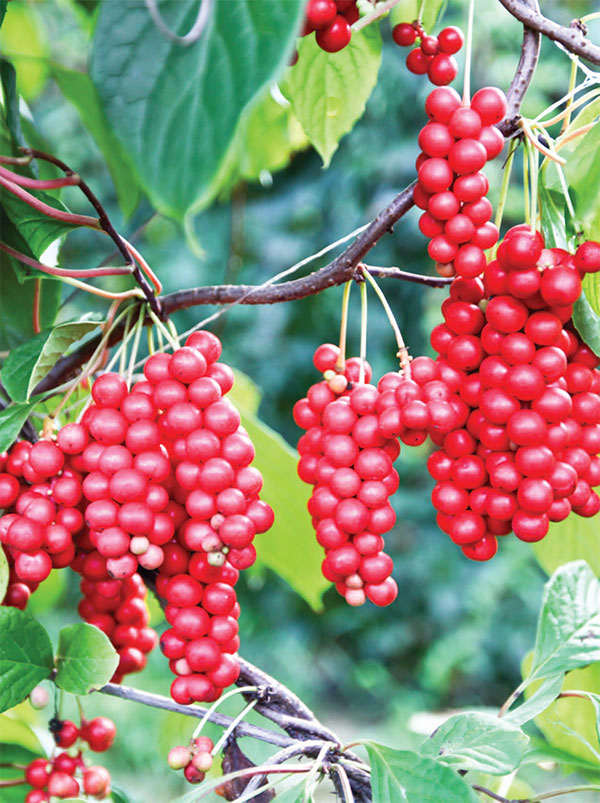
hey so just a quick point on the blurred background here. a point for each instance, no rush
(458, 630)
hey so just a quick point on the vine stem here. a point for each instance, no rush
(64, 272)
(222, 720)
(37, 292)
(341, 360)
(402, 353)
(46, 209)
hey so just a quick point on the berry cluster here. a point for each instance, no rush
(66, 775)
(42, 492)
(331, 19)
(527, 454)
(455, 144)
(118, 608)
(156, 478)
(349, 463)
(195, 760)
(434, 56)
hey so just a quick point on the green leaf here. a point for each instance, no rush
(176, 109)
(554, 215)
(329, 91)
(12, 419)
(14, 754)
(401, 775)
(78, 88)
(568, 632)
(26, 365)
(583, 162)
(118, 794)
(36, 228)
(85, 660)
(408, 10)
(591, 288)
(271, 135)
(3, 574)
(542, 697)
(245, 393)
(16, 304)
(587, 323)
(8, 78)
(25, 656)
(3, 7)
(595, 701)
(540, 752)
(477, 741)
(575, 538)
(567, 723)
(15, 731)
(289, 548)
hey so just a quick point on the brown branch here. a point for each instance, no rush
(572, 38)
(530, 52)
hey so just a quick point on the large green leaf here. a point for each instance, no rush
(586, 312)
(8, 78)
(3, 7)
(85, 660)
(575, 538)
(568, 633)
(26, 365)
(12, 419)
(25, 656)
(477, 741)
(176, 109)
(329, 91)
(401, 775)
(78, 88)
(289, 547)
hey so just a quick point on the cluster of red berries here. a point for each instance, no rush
(525, 451)
(195, 760)
(158, 477)
(215, 510)
(118, 608)
(349, 463)
(66, 776)
(455, 145)
(331, 19)
(434, 56)
(42, 493)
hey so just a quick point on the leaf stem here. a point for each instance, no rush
(217, 703)
(512, 698)
(380, 10)
(37, 291)
(65, 272)
(233, 726)
(341, 360)
(363, 332)
(402, 352)
(505, 182)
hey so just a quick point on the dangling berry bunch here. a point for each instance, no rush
(434, 55)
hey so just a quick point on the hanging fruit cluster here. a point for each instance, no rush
(156, 479)
(434, 55)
